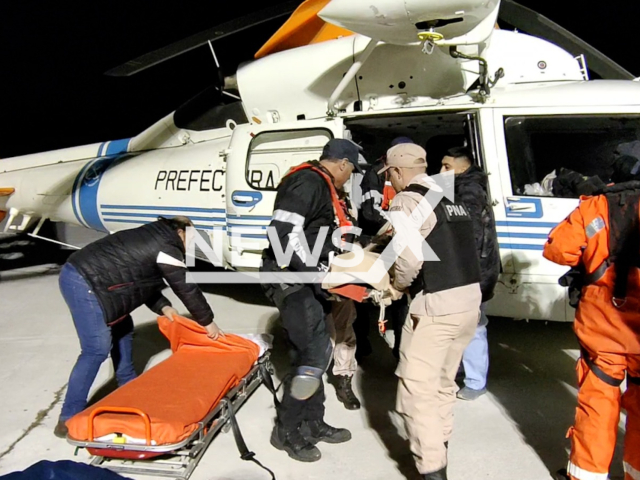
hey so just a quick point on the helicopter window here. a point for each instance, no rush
(556, 155)
(208, 110)
(271, 154)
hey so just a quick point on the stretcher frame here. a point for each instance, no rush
(185, 455)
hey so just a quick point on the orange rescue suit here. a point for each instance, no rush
(608, 330)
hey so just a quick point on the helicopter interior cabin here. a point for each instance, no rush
(435, 133)
(570, 155)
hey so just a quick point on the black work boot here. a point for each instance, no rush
(345, 393)
(296, 446)
(439, 475)
(317, 431)
(561, 474)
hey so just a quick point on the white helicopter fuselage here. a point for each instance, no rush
(294, 101)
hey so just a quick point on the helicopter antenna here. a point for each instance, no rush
(215, 59)
(213, 52)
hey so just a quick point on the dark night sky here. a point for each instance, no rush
(53, 56)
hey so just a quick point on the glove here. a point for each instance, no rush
(321, 292)
(323, 270)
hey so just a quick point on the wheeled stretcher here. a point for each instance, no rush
(162, 422)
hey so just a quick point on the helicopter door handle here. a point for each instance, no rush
(521, 207)
(245, 198)
(516, 204)
(242, 198)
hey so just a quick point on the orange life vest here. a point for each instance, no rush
(339, 206)
(388, 193)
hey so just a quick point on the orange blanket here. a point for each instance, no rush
(177, 393)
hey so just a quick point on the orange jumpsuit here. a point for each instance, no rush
(610, 341)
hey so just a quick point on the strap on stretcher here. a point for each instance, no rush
(245, 453)
(268, 382)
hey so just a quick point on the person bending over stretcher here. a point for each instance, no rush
(108, 279)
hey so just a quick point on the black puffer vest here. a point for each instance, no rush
(122, 268)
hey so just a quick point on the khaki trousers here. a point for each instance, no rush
(340, 326)
(430, 354)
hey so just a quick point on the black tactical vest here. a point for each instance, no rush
(453, 242)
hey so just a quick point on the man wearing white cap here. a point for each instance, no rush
(444, 310)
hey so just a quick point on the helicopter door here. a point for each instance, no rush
(258, 157)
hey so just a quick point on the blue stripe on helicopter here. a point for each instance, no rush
(206, 228)
(515, 223)
(185, 210)
(74, 192)
(244, 225)
(155, 216)
(152, 208)
(248, 217)
(84, 196)
(541, 236)
(248, 235)
(522, 246)
(117, 147)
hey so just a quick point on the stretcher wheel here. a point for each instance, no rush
(194, 452)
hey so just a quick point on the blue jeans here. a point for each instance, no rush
(475, 358)
(97, 340)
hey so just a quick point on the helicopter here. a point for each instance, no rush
(442, 72)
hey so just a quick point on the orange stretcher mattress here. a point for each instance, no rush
(177, 393)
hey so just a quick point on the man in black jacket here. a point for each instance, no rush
(377, 194)
(108, 279)
(471, 189)
(307, 207)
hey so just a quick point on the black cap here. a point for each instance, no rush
(340, 148)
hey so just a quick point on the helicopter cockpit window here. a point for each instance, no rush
(208, 110)
(570, 155)
(272, 154)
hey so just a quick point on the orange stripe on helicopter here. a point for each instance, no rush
(304, 27)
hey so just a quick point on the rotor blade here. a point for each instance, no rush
(183, 46)
(533, 23)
